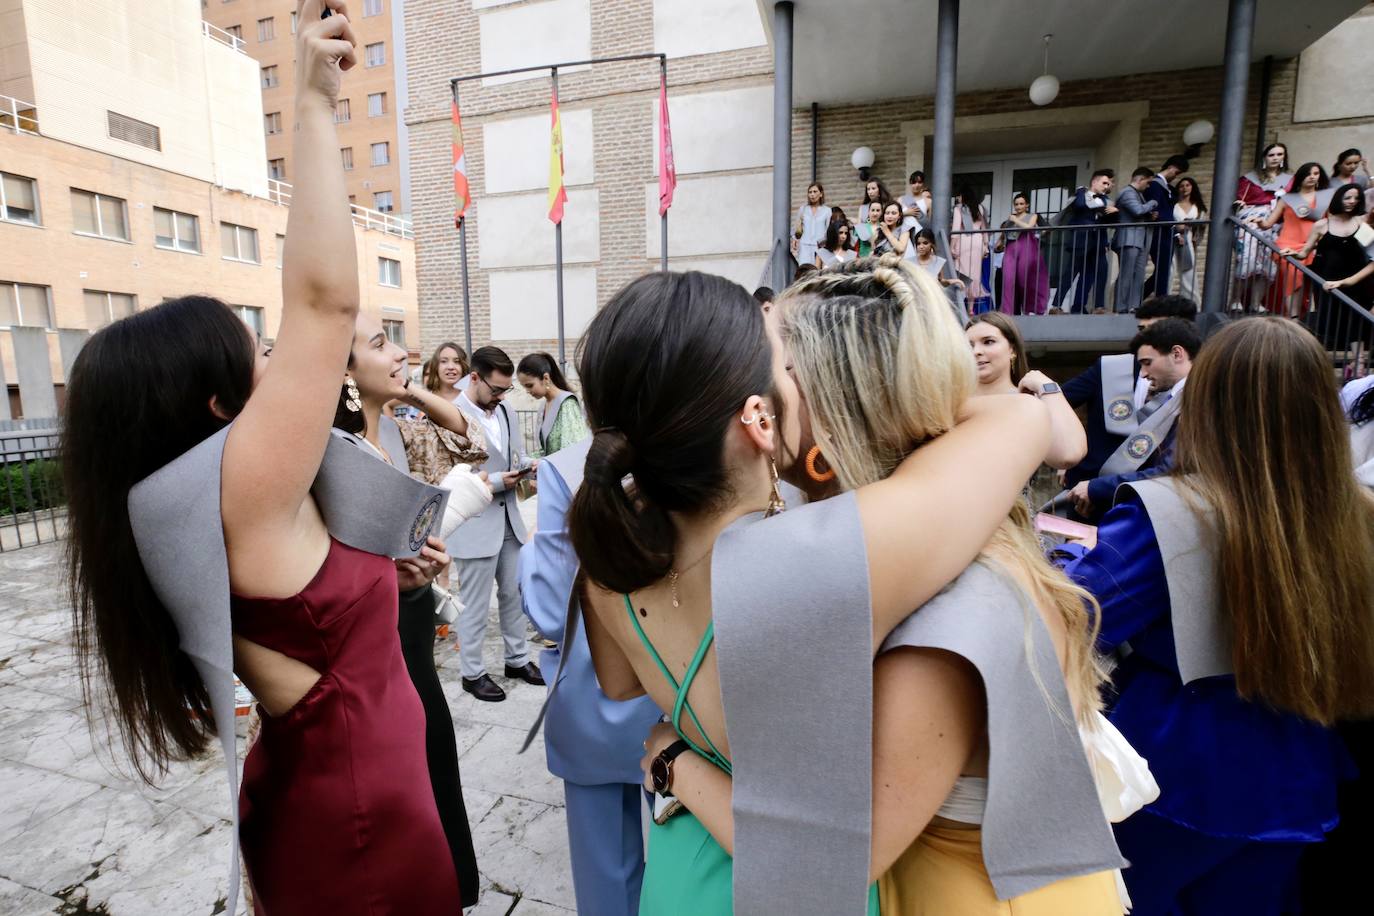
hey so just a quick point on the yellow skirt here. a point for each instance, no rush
(942, 874)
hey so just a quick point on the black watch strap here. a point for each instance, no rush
(677, 747)
(661, 769)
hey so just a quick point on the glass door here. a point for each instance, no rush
(1049, 180)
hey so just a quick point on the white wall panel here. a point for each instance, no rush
(1330, 83)
(534, 34)
(745, 271)
(238, 143)
(516, 232)
(721, 214)
(517, 151)
(524, 303)
(686, 27)
(719, 131)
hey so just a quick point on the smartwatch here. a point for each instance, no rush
(1049, 388)
(661, 768)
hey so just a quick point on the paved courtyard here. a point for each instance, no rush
(80, 835)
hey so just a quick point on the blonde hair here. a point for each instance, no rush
(1263, 443)
(884, 366)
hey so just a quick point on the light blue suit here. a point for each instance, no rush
(594, 744)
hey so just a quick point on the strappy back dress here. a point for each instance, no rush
(687, 872)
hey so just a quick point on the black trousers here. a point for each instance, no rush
(416, 627)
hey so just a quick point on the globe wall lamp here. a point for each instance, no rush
(862, 159)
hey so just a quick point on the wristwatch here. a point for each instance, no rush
(1049, 388)
(661, 768)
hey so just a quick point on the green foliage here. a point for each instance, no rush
(27, 486)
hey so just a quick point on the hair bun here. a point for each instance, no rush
(610, 457)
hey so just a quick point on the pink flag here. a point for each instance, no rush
(667, 172)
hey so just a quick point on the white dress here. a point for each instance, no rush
(1185, 252)
(814, 223)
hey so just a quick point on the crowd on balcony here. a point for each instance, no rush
(1140, 238)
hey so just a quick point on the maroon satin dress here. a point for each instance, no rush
(336, 812)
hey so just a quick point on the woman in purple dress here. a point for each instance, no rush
(1025, 282)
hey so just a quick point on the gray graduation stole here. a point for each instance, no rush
(802, 794)
(1043, 821)
(551, 417)
(1202, 635)
(1298, 204)
(1118, 393)
(178, 529)
(1142, 443)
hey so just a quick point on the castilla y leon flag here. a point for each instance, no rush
(558, 195)
(667, 171)
(461, 194)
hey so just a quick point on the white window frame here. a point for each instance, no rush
(276, 169)
(271, 28)
(100, 219)
(372, 8)
(381, 107)
(178, 243)
(258, 312)
(293, 22)
(109, 303)
(238, 246)
(390, 324)
(269, 77)
(346, 157)
(342, 106)
(11, 289)
(281, 249)
(382, 272)
(367, 54)
(4, 204)
(386, 152)
(235, 30)
(272, 123)
(391, 202)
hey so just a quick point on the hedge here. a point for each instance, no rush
(43, 491)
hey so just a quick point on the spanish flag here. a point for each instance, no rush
(461, 194)
(558, 195)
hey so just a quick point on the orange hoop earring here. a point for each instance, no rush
(812, 457)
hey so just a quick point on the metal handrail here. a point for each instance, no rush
(1087, 227)
(1308, 272)
(279, 193)
(18, 116)
(223, 37)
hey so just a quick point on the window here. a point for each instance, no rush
(236, 31)
(18, 199)
(103, 307)
(341, 111)
(395, 331)
(293, 22)
(281, 249)
(269, 77)
(375, 54)
(276, 169)
(381, 153)
(96, 214)
(389, 272)
(25, 305)
(273, 122)
(251, 315)
(352, 200)
(177, 231)
(381, 202)
(267, 29)
(238, 243)
(376, 104)
(346, 154)
(372, 7)
(132, 130)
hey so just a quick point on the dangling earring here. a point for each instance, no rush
(776, 503)
(354, 399)
(814, 459)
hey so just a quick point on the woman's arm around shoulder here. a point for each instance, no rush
(933, 515)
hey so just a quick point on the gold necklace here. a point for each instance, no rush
(674, 574)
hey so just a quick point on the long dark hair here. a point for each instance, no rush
(883, 196)
(666, 367)
(430, 373)
(138, 396)
(969, 198)
(1195, 197)
(348, 420)
(541, 364)
(832, 235)
(1012, 335)
(1300, 175)
(1338, 209)
(1346, 154)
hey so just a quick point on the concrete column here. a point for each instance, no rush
(942, 155)
(782, 144)
(1240, 32)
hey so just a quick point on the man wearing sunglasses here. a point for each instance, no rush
(487, 546)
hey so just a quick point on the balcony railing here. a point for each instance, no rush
(17, 116)
(279, 192)
(223, 37)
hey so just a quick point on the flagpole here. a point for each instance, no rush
(663, 217)
(558, 264)
(463, 252)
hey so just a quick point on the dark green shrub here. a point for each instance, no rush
(27, 486)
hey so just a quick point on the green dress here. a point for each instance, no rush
(687, 872)
(568, 427)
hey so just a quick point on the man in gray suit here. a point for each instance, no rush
(1131, 244)
(487, 546)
